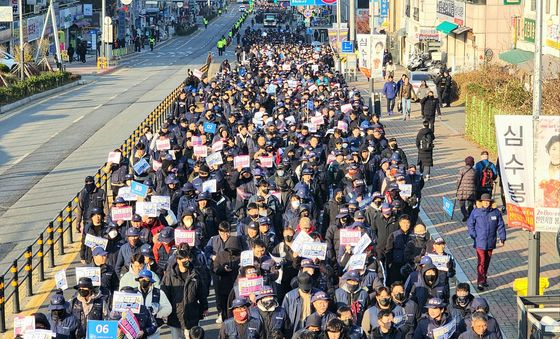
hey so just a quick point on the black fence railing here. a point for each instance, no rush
(30, 267)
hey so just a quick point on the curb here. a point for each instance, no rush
(9, 107)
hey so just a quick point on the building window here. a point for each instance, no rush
(547, 6)
(533, 5)
(416, 13)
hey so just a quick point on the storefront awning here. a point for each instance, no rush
(446, 27)
(461, 30)
(516, 56)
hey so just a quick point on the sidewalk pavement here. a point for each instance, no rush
(508, 262)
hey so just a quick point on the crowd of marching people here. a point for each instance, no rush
(276, 187)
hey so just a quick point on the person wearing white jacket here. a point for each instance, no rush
(154, 299)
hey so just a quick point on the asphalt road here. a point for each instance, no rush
(47, 148)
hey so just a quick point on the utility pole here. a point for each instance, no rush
(338, 42)
(103, 30)
(371, 81)
(21, 51)
(534, 262)
(352, 21)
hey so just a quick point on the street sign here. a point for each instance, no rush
(102, 329)
(347, 47)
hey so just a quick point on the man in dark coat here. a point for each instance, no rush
(466, 188)
(226, 268)
(384, 224)
(425, 145)
(185, 289)
(430, 106)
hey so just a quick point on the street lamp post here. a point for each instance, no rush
(21, 51)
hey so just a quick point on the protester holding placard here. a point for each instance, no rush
(88, 304)
(97, 228)
(207, 216)
(132, 246)
(225, 267)
(189, 224)
(137, 264)
(154, 299)
(109, 278)
(171, 190)
(437, 319)
(118, 172)
(65, 325)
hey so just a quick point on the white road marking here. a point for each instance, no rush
(20, 159)
(78, 119)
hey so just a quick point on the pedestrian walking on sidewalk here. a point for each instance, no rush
(430, 107)
(406, 95)
(486, 227)
(486, 174)
(466, 188)
(425, 145)
(390, 92)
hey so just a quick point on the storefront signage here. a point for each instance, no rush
(451, 10)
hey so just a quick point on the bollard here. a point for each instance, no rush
(41, 257)
(29, 269)
(2, 306)
(69, 219)
(15, 285)
(50, 242)
(60, 231)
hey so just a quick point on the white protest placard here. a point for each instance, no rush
(198, 73)
(406, 190)
(356, 262)
(92, 241)
(23, 324)
(121, 213)
(317, 120)
(364, 242)
(266, 162)
(217, 146)
(292, 83)
(163, 144)
(147, 208)
(114, 157)
(444, 332)
(346, 108)
(185, 237)
(156, 165)
(250, 285)
(247, 258)
(350, 236)
(312, 250)
(302, 238)
(214, 159)
(312, 88)
(440, 261)
(290, 120)
(163, 202)
(241, 161)
(287, 67)
(315, 68)
(123, 302)
(311, 127)
(124, 192)
(200, 150)
(39, 334)
(61, 280)
(196, 140)
(89, 272)
(210, 186)
(342, 125)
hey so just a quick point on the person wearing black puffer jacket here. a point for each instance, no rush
(186, 292)
(430, 106)
(226, 269)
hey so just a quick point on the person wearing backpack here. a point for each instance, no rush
(486, 174)
(430, 106)
(425, 145)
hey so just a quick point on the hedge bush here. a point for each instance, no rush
(35, 84)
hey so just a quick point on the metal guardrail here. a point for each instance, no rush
(30, 264)
(530, 311)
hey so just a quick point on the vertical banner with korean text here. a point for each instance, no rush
(514, 134)
(547, 174)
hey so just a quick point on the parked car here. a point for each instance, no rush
(417, 77)
(8, 60)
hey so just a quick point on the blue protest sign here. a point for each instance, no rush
(310, 105)
(138, 189)
(97, 329)
(209, 127)
(448, 206)
(384, 8)
(347, 46)
(271, 89)
(141, 166)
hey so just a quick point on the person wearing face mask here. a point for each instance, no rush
(188, 200)
(405, 310)
(273, 317)
(90, 197)
(188, 222)
(320, 302)
(252, 215)
(109, 278)
(352, 295)
(242, 324)
(149, 259)
(436, 318)
(383, 225)
(445, 260)
(374, 207)
(351, 330)
(428, 285)
(63, 324)
(284, 254)
(394, 148)
(312, 328)
(297, 302)
(126, 251)
(285, 182)
(137, 264)
(225, 268)
(187, 294)
(416, 247)
(386, 328)
(382, 302)
(430, 107)
(154, 299)
(88, 304)
(291, 214)
(270, 203)
(460, 307)
(164, 247)
(331, 210)
(207, 216)
(332, 236)
(97, 228)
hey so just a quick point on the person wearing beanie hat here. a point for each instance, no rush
(466, 188)
(89, 197)
(297, 302)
